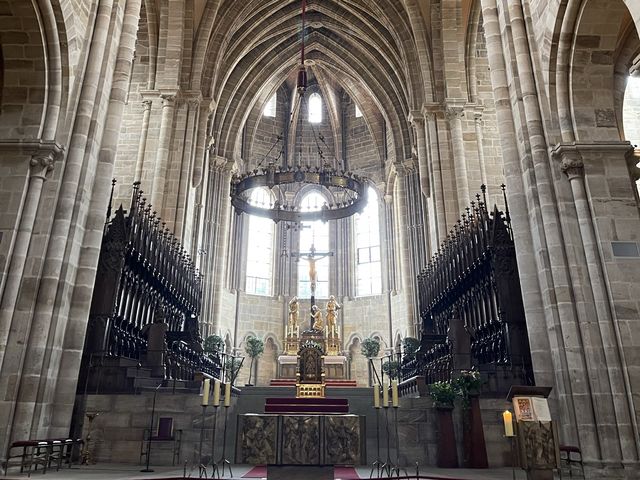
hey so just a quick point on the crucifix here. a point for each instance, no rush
(312, 256)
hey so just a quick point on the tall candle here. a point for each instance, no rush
(376, 395)
(298, 331)
(385, 395)
(394, 393)
(508, 423)
(205, 392)
(227, 394)
(216, 393)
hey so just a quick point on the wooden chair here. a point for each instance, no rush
(566, 459)
(28, 454)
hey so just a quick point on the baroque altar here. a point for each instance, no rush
(326, 335)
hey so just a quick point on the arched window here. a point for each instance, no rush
(631, 114)
(270, 107)
(314, 234)
(315, 108)
(368, 263)
(260, 247)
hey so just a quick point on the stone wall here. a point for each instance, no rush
(117, 432)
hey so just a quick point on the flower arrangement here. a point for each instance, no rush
(442, 394)
(466, 384)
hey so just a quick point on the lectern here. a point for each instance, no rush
(536, 433)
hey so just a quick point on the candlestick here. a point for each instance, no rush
(376, 395)
(298, 331)
(227, 394)
(205, 392)
(216, 393)
(385, 396)
(394, 393)
(507, 419)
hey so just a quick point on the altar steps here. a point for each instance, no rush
(291, 382)
(321, 406)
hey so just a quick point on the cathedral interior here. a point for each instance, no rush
(458, 172)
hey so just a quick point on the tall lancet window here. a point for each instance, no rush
(260, 247)
(369, 265)
(315, 108)
(314, 234)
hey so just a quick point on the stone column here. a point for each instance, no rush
(530, 266)
(417, 120)
(439, 207)
(454, 115)
(406, 270)
(144, 132)
(614, 410)
(477, 118)
(162, 158)
(40, 165)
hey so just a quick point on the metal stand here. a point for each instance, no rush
(153, 412)
(214, 471)
(386, 466)
(202, 469)
(223, 461)
(378, 463)
(396, 468)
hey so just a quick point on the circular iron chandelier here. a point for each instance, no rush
(349, 189)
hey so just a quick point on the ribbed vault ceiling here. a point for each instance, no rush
(245, 50)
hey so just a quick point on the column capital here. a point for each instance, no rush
(416, 117)
(41, 164)
(454, 111)
(193, 97)
(146, 103)
(432, 110)
(573, 155)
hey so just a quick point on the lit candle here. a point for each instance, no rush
(376, 395)
(216, 393)
(205, 392)
(385, 396)
(227, 394)
(394, 393)
(508, 423)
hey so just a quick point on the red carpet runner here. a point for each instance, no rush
(342, 473)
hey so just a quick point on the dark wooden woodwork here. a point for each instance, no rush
(143, 272)
(471, 305)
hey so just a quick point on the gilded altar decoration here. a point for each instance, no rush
(317, 322)
(292, 336)
(332, 333)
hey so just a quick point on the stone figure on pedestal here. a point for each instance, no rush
(156, 343)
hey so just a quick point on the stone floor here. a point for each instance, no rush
(132, 472)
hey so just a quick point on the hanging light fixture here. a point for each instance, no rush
(349, 189)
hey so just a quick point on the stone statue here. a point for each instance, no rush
(294, 307)
(156, 342)
(317, 323)
(332, 315)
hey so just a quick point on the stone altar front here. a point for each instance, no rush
(301, 439)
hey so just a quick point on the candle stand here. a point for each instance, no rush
(224, 461)
(386, 466)
(396, 468)
(202, 469)
(214, 465)
(377, 465)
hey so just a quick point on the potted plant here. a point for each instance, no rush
(232, 368)
(443, 395)
(370, 349)
(391, 368)
(410, 346)
(467, 386)
(254, 348)
(213, 344)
